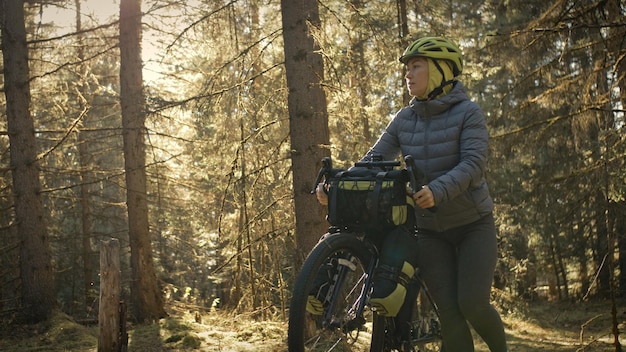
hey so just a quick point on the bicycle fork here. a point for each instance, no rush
(354, 316)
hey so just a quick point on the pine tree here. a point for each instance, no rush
(37, 293)
(146, 295)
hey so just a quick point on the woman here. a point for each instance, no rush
(446, 134)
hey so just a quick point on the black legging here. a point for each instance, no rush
(458, 266)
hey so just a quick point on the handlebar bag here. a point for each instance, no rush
(369, 200)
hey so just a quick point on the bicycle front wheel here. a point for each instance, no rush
(334, 275)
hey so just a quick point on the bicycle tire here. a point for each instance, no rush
(307, 332)
(425, 325)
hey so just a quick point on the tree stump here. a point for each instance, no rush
(109, 313)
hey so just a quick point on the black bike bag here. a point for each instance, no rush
(369, 200)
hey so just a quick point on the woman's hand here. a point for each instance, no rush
(424, 198)
(321, 194)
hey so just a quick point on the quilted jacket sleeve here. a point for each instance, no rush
(388, 144)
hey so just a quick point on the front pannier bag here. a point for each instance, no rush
(369, 200)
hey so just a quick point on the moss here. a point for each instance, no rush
(59, 333)
(191, 341)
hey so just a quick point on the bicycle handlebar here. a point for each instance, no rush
(325, 170)
(416, 176)
(383, 164)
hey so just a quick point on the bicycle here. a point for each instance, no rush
(347, 322)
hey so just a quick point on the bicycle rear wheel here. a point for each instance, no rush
(425, 326)
(345, 324)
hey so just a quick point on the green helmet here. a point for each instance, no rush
(435, 48)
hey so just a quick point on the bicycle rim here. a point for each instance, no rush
(339, 328)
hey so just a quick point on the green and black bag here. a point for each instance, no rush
(369, 200)
(395, 271)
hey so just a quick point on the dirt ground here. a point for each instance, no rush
(560, 327)
(538, 326)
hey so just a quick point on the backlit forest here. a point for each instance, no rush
(169, 126)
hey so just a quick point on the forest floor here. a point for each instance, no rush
(537, 326)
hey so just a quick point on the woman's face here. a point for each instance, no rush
(417, 76)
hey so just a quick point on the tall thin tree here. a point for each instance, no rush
(35, 261)
(146, 297)
(85, 175)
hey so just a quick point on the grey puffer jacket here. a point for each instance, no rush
(448, 139)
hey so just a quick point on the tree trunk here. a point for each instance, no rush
(620, 233)
(145, 294)
(86, 178)
(403, 27)
(35, 264)
(109, 314)
(308, 116)
(359, 70)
